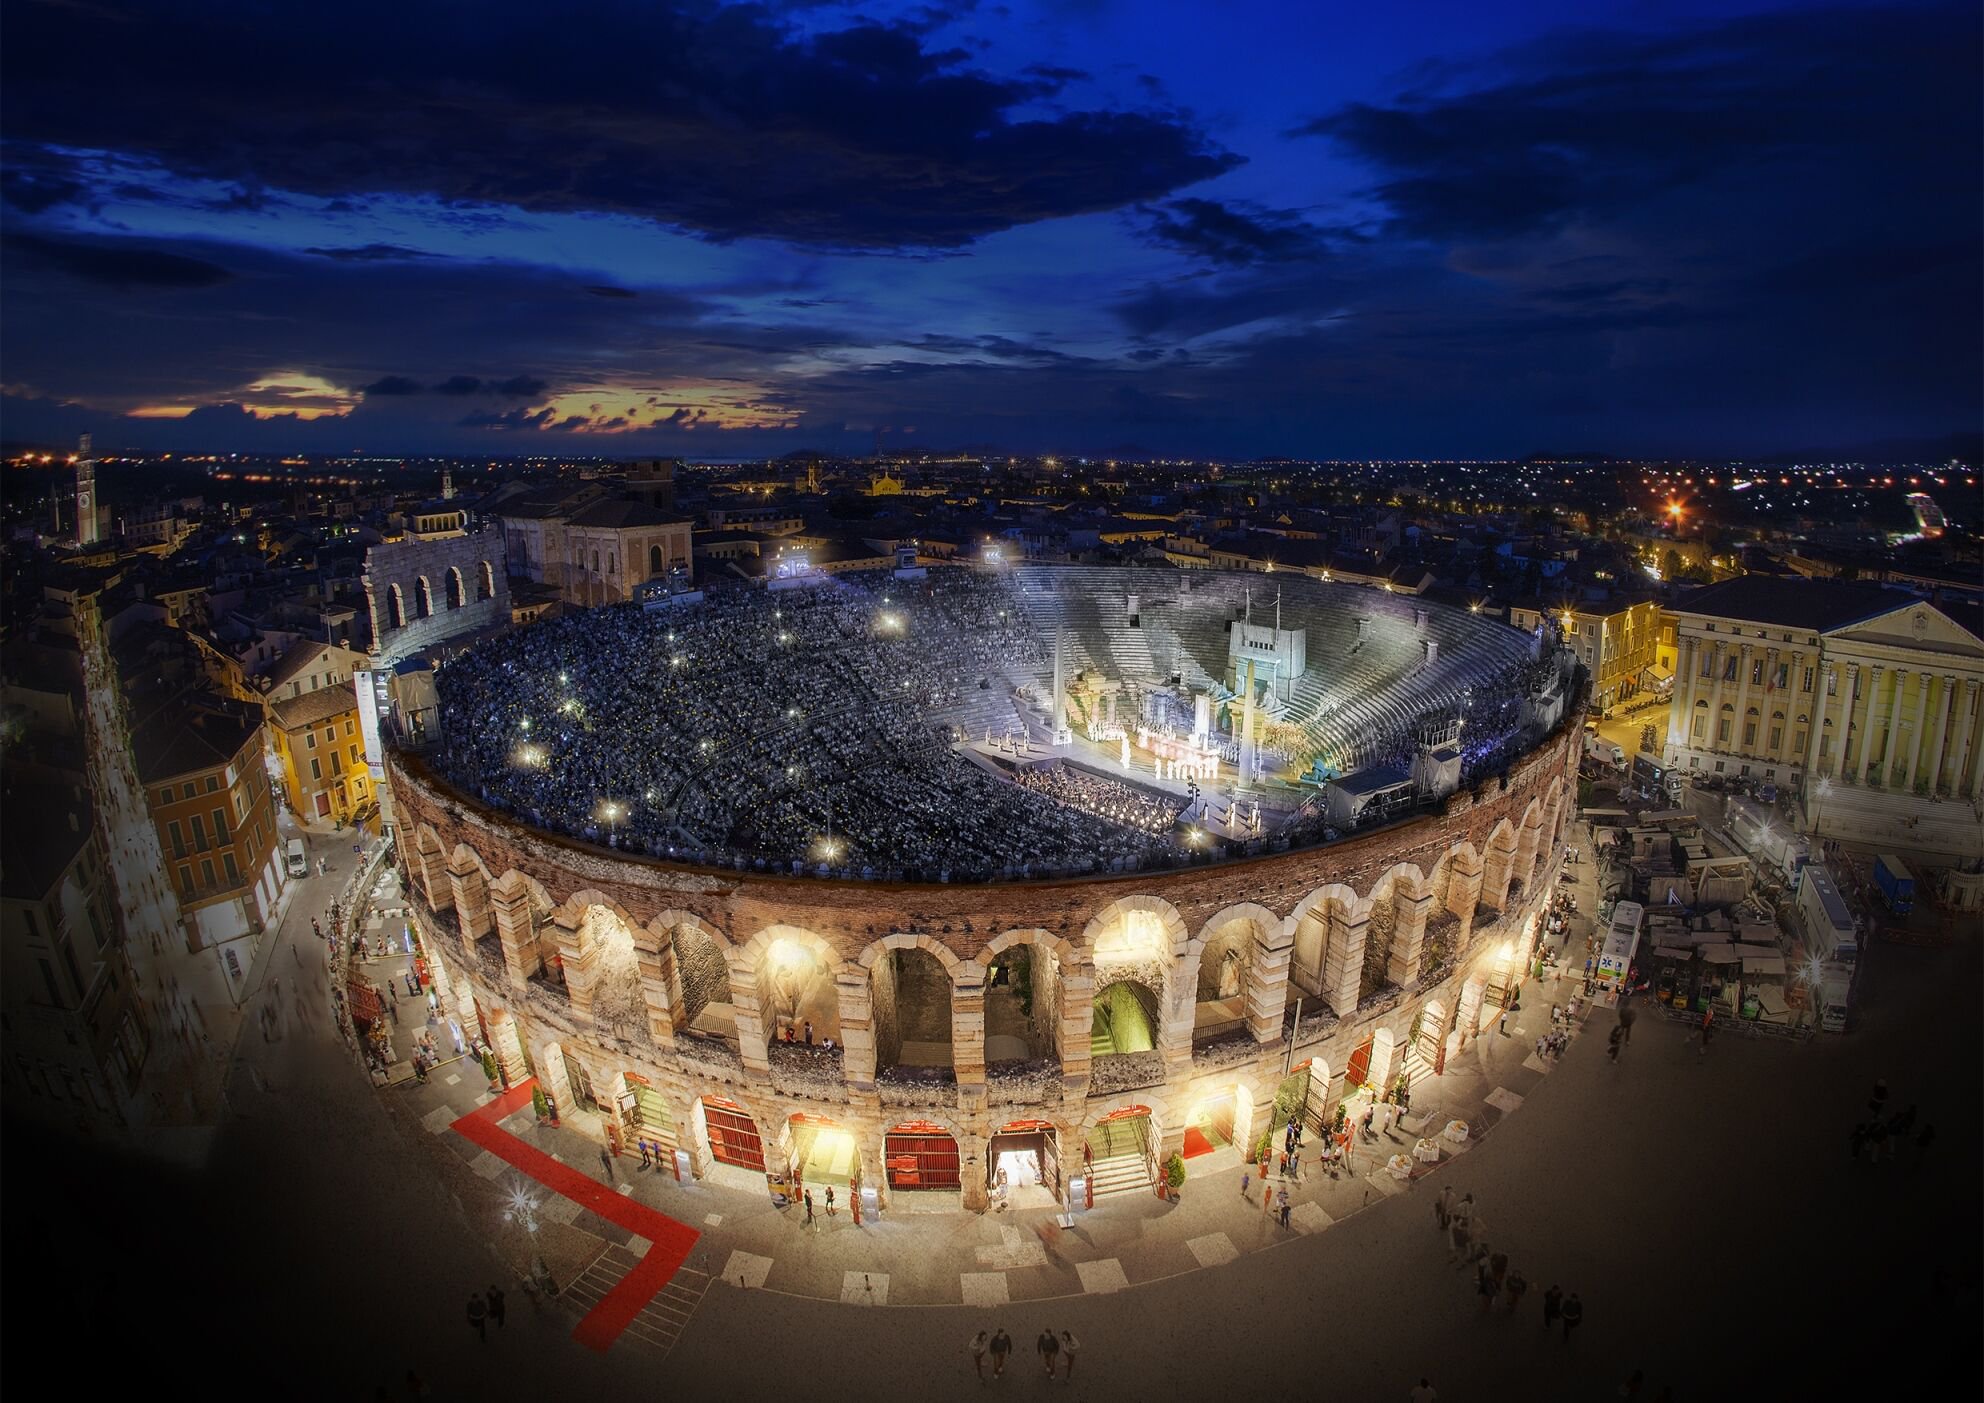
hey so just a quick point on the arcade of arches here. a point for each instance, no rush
(977, 1055)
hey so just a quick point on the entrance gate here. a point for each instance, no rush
(922, 1155)
(1359, 1070)
(733, 1135)
(1025, 1150)
(644, 1115)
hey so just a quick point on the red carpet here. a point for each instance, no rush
(672, 1240)
(1196, 1143)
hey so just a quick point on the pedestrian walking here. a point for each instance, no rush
(1443, 1207)
(1708, 1031)
(478, 1315)
(496, 1306)
(1626, 1016)
(1460, 1238)
(646, 1162)
(1281, 1201)
(976, 1345)
(809, 1219)
(1618, 1037)
(1553, 1306)
(1502, 1023)
(1267, 1199)
(830, 1201)
(1573, 1315)
(1049, 1345)
(1069, 1344)
(606, 1162)
(1465, 1209)
(1247, 1183)
(1877, 1140)
(1002, 1345)
(1484, 1286)
(1517, 1284)
(1498, 1263)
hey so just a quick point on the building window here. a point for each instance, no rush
(207, 870)
(213, 784)
(220, 826)
(186, 878)
(1776, 737)
(199, 833)
(316, 769)
(1807, 682)
(337, 763)
(310, 740)
(48, 980)
(227, 862)
(347, 728)
(1749, 734)
(178, 841)
(1798, 742)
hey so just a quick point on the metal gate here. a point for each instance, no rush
(733, 1135)
(921, 1155)
(1359, 1070)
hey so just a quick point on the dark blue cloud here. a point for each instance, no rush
(715, 119)
(114, 263)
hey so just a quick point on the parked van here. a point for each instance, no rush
(299, 861)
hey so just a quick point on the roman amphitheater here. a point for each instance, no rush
(958, 881)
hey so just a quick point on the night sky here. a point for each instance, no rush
(1435, 227)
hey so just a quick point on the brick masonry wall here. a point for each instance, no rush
(850, 915)
(403, 563)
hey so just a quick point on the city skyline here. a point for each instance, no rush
(724, 232)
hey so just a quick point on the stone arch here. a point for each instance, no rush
(1529, 842)
(485, 585)
(793, 974)
(1498, 858)
(1314, 926)
(395, 607)
(655, 563)
(1237, 968)
(697, 973)
(1397, 903)
(457, 592)
(907, 975)
(423, 598)
(601, 959)
(1036, 1000)
(1148, 921)
(433, 864)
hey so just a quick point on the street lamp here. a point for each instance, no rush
(1825, 788)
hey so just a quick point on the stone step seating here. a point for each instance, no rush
(1122, 1174)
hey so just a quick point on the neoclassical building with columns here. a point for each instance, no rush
(1871, 690)
(980, 1034)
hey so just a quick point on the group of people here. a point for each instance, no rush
(1055, 1348)
(1127, 804)
(1495, 1280)
(1882, 1133)
(794, 729)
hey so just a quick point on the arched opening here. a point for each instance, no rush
(1119, 1151)
(910, 999)
(644, 1116)
(796, 990)
(1318, 925)
(730, 1140)
(1125, 1020)
(619, 1008)
(395, 607)
(1022, 1007)
(1427, 1046)
(703, 986)
(452, 583)
(1219, 1121)
(423, 598)
(485, 585)
(922, 1156)
(1023, 1164)
(1220, 1005)
(655, 562)
(820, 1152)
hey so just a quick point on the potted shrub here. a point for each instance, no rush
(541, 1103)
(489, 1069)
(1174, 1174)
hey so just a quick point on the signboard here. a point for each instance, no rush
(375, 700)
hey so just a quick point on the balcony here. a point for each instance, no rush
(1225, 1049)
(1125, 1071)
(1023, 1081)
(811, 1071)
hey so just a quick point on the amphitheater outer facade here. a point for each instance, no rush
(585, 968)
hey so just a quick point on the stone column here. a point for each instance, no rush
(1719, 662)
(857, 1028)
(972, 1170)
(578, 954)
(1343, 962)
(1871, 675)
(1175, 1031)
(1495, 867)
(1681, 709)
(1894, 726)
(968, 1030)
(518, 934)
(1468, 1017)
(1742, 701)
(470, 895)
(1077, 981)
(750, 1017)
(654, 954)
(1409, 940)
(1843, 709)
(1267, 981)
(1915, 759)
(1942, 733)
(1966, 726)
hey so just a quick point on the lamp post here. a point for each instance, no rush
(1825, 788)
